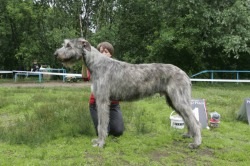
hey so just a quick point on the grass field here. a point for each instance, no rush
(52, 126)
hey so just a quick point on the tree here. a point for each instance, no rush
(137, 22)
(198, 35)
(194, 35)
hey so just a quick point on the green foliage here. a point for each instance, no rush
(235, 22)
(135, 31)
(200, 35)
(194, 35)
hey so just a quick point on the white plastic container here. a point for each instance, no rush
(176, 121)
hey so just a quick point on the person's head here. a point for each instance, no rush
(103, 46)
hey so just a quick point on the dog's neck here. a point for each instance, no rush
(88, 57)
(94, 58)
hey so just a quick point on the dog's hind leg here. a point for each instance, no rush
(179, 98)
(169, 102)
(194, 128)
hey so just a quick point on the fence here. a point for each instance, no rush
(47, 71)
(64, 74)
(212, 72)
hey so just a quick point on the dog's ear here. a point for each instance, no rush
(67, 42)
(85, 44)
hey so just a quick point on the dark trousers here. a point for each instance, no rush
(116, 125)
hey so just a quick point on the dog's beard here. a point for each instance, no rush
(68, 64)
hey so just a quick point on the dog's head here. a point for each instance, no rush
(72, 51)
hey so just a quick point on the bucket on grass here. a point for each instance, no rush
(176, 120)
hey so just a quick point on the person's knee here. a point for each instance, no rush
(118, 131)
(117, 134)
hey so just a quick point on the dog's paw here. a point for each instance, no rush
(193, 146)
(94, 142)
(186, 135)
(97, 143)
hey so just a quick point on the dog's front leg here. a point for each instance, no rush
(103, 122)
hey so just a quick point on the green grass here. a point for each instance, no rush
(52, 126)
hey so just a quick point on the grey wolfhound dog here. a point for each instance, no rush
(116, 80)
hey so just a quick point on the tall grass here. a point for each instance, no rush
(33, 116)
(52, 126)
(38, 115)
